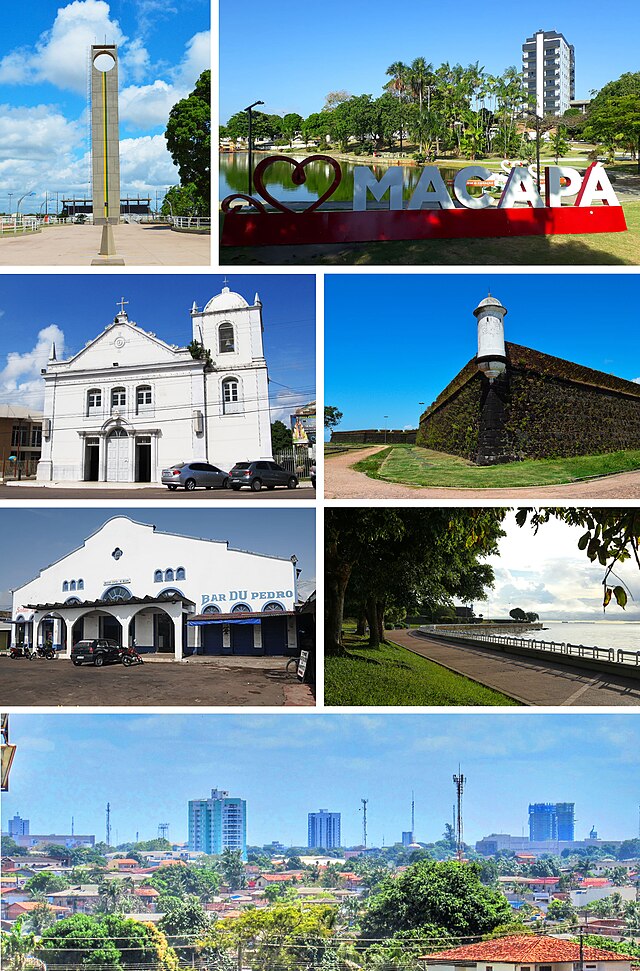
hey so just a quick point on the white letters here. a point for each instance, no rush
(596, 186)
(483, 201)
(436, 197)
(520, 187)
(554, 190)
(363, 179)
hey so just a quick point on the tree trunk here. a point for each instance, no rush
(336, 580)
(372, 617)
(362, 623)
(380, 617)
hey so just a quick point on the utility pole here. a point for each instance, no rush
(413, 818)
(459, 781)
(364, 822)
(108, 827)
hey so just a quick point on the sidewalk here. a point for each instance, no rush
(531, 682)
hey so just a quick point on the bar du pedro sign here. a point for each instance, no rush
(432, 212)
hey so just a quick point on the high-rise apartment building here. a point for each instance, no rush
(18, 826)
(552, 821)
(548, 66)
(324, 830)
(218, 823)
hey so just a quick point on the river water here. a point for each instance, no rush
(599, 633)
(234, 172)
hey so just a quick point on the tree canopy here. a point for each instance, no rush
(109, 943)
(188, 136)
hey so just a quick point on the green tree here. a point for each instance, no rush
(116, 896)
(614, 114)
(9, 847)
(188, 136)
(41, 917)
(281, 436)
(44, 883)
(176, 880)
(17, 945)
(105, 943)
(444, 895)
(233, 868)
(292, 125)
(562, 910)
(183, 921)
(518, 615)
(332, 416)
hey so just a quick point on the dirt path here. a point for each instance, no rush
(533, 682)
(343, 482)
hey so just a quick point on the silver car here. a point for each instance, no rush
(194, 475)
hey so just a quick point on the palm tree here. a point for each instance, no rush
(115, 895)
(17, 947)
(420, 76)
(399, 74)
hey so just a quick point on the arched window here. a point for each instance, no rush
(94, 401)
(72, 600)
(65, 586)
(144, 399)
(80, 584)
(211, 609)
(116, 593)
(180, 573)
(72, 585)
(118, 397)
(272, 607)
(226, 340)
(158, 577)
(170, 594)
(231, 403)
(241, 609)
(168, 575)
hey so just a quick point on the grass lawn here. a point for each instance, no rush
(422, 467)
(391, 675)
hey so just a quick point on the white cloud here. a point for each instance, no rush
(60, 55)
(135, 60)
(20, 381)
(197, 59)
(145, 163)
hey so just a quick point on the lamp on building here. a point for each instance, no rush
(294, 559)
(249, 110)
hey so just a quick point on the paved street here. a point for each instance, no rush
(344, 482)
(138, 245)
(532, 682)
(205, 681)
(35, 492)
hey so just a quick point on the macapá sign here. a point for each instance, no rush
(432, 212)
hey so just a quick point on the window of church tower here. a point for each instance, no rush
(118, 398)
(94, 400)
(144, 399)
(226, 340)
(231, 404)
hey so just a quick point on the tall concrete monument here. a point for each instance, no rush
(105, 146)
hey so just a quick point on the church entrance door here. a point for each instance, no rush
(92, 460)
(118, 456)
(143, 459)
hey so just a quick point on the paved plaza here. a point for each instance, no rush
(153, 244)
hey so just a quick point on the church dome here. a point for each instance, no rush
(489, 302)
(227, 300)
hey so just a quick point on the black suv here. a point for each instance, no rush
(255, 475)
(98, 651)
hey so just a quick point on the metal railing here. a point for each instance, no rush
(297, 460)
(191, 222)
(608, 655)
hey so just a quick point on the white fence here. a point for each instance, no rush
(191, 222)
(16, 225)
(607, 655)
(295, 459)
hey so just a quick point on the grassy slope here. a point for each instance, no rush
(391, 675)
(422, 467)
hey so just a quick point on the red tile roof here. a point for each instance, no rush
(595, 882)
(521, 949)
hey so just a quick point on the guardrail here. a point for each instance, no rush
(605, 655)
(201, 223)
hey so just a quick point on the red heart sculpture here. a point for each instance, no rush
(298, 177)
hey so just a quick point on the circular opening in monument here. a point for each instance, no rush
(104, 62)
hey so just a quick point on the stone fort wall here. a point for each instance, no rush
(373, 436)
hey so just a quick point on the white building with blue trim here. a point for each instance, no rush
(162, 593)
(129, 404)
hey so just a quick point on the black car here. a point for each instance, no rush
(255, 475)
(97, 651)
(192, 475)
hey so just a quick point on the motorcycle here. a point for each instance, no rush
(43, 651)
(130, 656)
(22, 650)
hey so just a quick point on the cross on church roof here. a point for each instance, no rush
(225, 282)
(121, 303)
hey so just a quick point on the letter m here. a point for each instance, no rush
(365, 181)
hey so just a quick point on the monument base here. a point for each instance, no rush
(107, 241)
(108, 261)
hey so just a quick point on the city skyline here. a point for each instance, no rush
(355, 56)
(507, 764)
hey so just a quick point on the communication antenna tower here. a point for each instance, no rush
(163, 831)
(413, 818)
(108, 827)
(364, 822)
(459, 781)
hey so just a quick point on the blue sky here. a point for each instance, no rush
(392, 341)
(335, 45)
(164, 45)
(57, 311)
(286, 765)
(39, 536)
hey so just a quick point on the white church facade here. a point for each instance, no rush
(161, 593)
(129, 405)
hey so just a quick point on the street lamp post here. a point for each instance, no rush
(10, 194)
(25, 196)
(534, 114)
(249, 110)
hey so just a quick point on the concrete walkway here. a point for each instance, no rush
(531, 682)
(137, 244)
(344, 482)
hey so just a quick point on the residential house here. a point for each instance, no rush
(529, 953)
